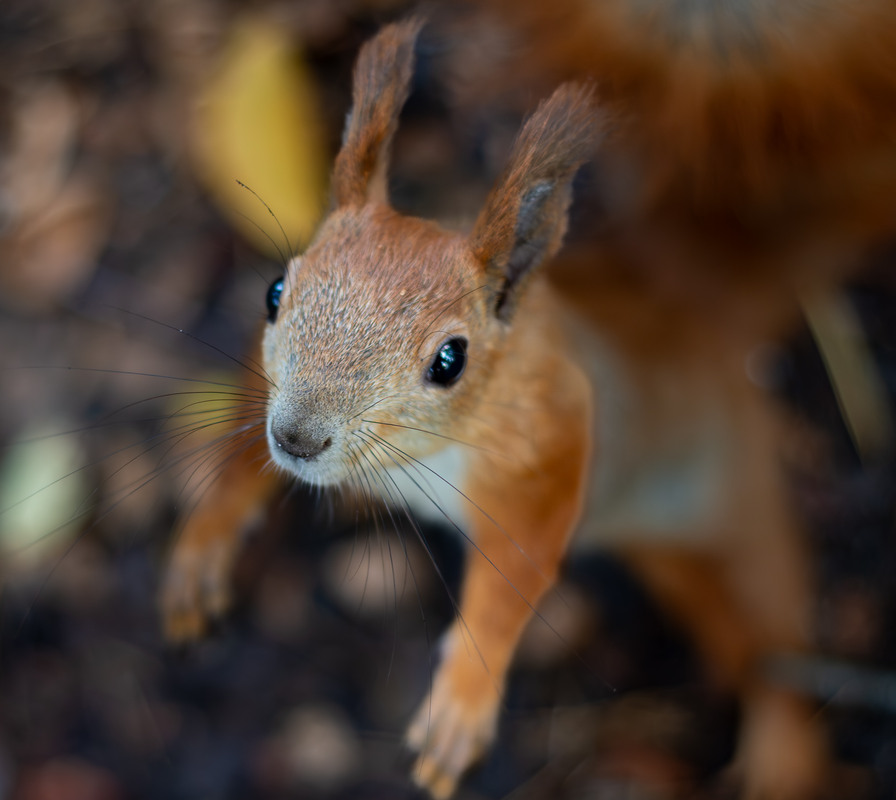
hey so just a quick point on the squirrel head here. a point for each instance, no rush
(382, 335)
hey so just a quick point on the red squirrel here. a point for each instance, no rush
(561, 405)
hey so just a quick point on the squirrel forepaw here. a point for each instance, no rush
(196, 589)
(453, 727)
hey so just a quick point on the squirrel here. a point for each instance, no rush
(573, 403)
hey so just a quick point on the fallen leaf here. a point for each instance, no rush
(257, 124)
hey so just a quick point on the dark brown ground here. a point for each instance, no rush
(108, 246)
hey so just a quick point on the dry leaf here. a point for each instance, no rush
(257, 123)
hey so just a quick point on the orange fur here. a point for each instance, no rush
(381, 86)
(748, 155)
(752, 142)
(362, 314)
(197, 580)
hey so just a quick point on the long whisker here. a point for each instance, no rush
(360, 493)
(166, 465)
(145, 446)
(397, 499)
(231, 444)
(289, 247)
(397, 528)
(418, 464)
(374, 403)
(384, 471)
(255, 368)
(394, 453)
(129, 373)
(125, 492)
(177, 436)
(108, 420)
(433, 434)
(378, 474)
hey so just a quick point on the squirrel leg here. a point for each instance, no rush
(196, 585)
(505, 579)
(781, 752)
(518, 550)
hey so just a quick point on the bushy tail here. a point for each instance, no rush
(749, 135)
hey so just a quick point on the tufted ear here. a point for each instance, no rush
(382, 82)
(525, 214)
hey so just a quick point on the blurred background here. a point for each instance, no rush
(133, 270)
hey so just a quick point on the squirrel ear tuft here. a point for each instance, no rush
(525, 214)
(382, 81)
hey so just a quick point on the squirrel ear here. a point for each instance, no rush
(525, 214)
(381, 85)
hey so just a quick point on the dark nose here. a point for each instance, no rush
(299, 443)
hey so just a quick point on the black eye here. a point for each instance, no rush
(449, 363)
(273, 298)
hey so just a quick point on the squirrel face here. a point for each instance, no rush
(378, 341)
(388, 329)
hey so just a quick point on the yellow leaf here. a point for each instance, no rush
(257, 122)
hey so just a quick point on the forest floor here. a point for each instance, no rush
(111, 250)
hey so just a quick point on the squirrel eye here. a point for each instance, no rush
(449, 363)
(273, 298)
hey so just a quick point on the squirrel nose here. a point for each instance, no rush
(299, 443)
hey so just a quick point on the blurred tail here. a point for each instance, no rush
(750, 136)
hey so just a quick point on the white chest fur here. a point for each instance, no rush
(431, 488)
